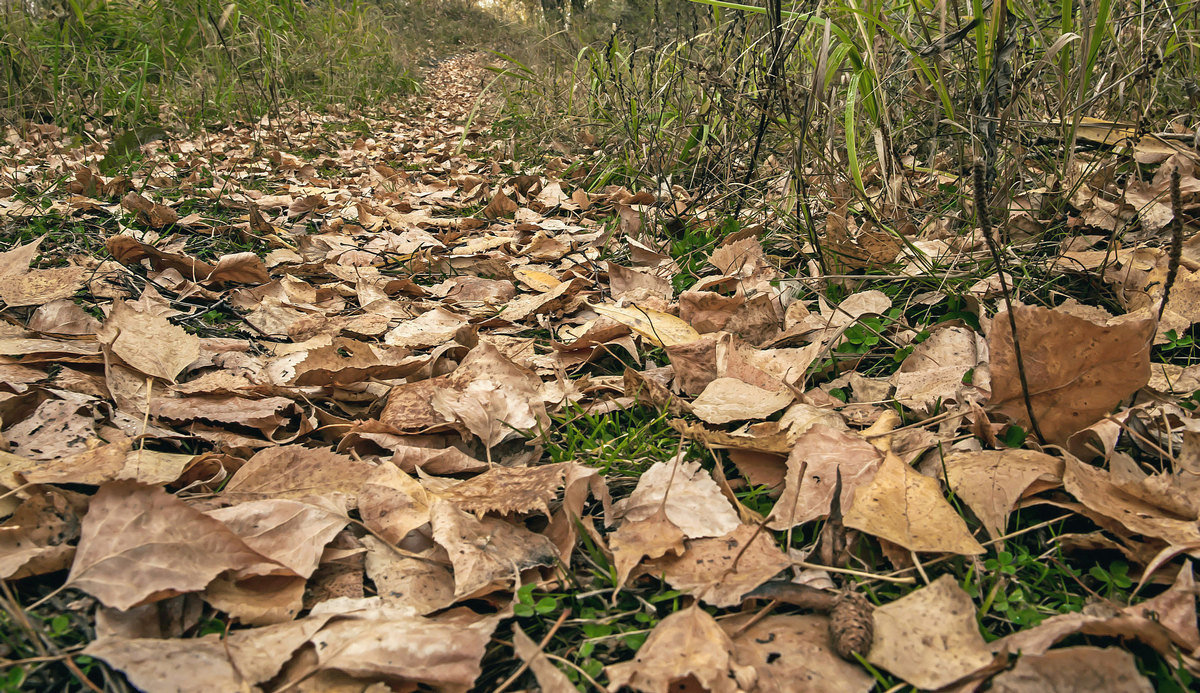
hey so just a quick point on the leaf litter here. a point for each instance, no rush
(348, 473)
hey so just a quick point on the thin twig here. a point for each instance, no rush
(986, 231)
(1176, 253)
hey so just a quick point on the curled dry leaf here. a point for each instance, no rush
(1074, 670)
(490, 396)
(1077, 371)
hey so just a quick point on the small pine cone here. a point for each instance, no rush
(852, 625)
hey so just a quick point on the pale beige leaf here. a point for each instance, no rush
(149, 343)
(487, 554)
(420, 584)
(651, 538)
(296, 472)
(288, 532)
(687, 643)
(930, 637)
(694, 502)
(794, 654)
(729, 399)
(823, 453)
(1074, 670)
(990, 482)
(721, 570)
(549, 678)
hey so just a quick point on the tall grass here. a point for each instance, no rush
(793, 110)
(130, 62)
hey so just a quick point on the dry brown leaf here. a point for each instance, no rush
(509, 490)
(1165, 622)
(382, 642)
(548, 676)
(1074, 670)
(1077, 371)
(722, 570)
(907, 508)
(930, 638)
(933, 373)
(793, 654)
(417, 582)
(488, 393)
(149, 213)
(660, 329)
(687, 647)
(40, 286)
(38, 537)
(991, 482)
(210, 663)
(653, 537)
(291, 533)
(296, 472)
(392, 503)
(1095, 488)
(487, 554)
(140, 544)
(148, 343)
(823, 454)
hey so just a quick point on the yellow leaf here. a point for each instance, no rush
(538, 281)
(660, 328)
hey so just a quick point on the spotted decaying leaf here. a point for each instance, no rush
(1077, 371)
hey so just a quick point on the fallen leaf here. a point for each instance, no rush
(930, 638)
(1074, 670)
(822, 454)
(794, 654)
(729, 399)
(487, 554)
(148, 343)
(991, 482)
(139, 544)
(722, 570)
(653, 537)
(685, 648)
(1077, 371)
(660, 329)
(907, 508)
(548, 676)
(693, 501)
